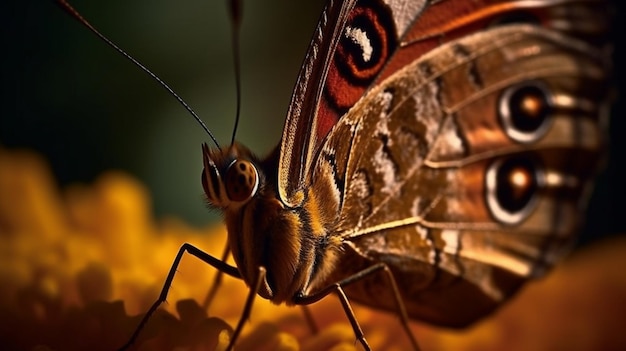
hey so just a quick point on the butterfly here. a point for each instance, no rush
(435, 156)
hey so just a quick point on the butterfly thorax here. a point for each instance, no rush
(292, 243)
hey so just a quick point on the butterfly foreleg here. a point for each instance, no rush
(217, 281)
(363, 274)
(220, 265)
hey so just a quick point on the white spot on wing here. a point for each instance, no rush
(359, 185)
(385, 102)
(451, 239)
(449, 143)
(359, 37)
(382, 164)
(428, 111)
(384, 167)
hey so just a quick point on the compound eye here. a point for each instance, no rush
(242, 180)
(525, 111)
(512, 188)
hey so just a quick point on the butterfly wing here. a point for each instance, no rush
(334, 76)
(466, 169)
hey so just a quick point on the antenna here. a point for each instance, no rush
(236, 8)
(67, 7)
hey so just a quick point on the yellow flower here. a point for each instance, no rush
(80, 267)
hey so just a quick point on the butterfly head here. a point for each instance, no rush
(229, 178)
(260, 233)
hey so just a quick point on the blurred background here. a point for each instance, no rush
(87, 109)
(73, 99)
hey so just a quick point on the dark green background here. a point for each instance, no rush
(86, 109)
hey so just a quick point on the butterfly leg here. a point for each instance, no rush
(337, 287)
(404, 318)
(308, 316)
(217, 281)
(194, 251)
(351, 317)
(245, 314)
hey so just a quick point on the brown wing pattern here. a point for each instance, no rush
(336, 73)
(332, 78)
(466, 170)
